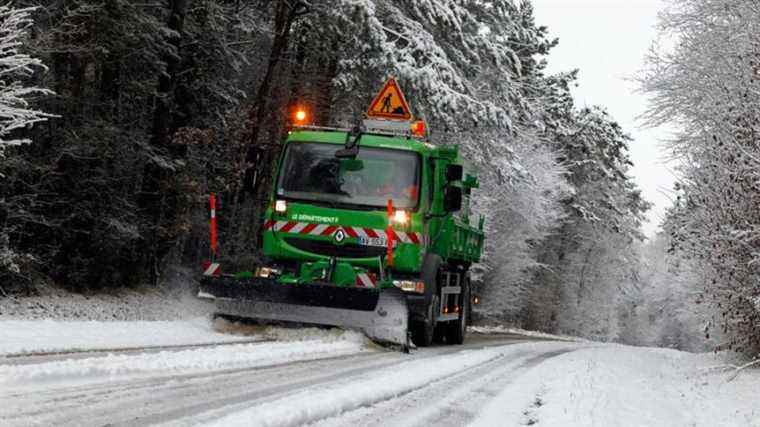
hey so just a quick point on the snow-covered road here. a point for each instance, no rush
(335, 378)
(268, 383)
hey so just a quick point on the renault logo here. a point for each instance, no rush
(339, 236)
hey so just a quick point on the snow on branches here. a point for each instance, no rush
(462, 63)
(708, 84)
(16, 68)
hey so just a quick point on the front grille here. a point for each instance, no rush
(347, 250)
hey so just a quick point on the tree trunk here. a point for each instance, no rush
(259, 158)
(285, 15)
(167, 82)
(152, 199)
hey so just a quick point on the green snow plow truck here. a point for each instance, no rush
(367, 228)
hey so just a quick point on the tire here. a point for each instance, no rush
(457, 330)
(422, 321)
(423, 331)
(430, 269)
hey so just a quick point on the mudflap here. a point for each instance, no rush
(382, 315)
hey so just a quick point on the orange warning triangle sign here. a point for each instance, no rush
(390, 103)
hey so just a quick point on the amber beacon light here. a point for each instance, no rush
(300, 116)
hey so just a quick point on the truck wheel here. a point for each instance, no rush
(423, 331)
(456, 330)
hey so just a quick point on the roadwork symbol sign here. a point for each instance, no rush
(390, 103)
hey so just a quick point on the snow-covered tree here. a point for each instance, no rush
(590, 259)
(668, 309)
(16, 113)
(463, 63)
(706, 83)
(522, 187)
(16, 69)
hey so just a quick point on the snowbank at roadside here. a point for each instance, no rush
(306, 344)
(38, 336)
(20, 337)
(616, 385)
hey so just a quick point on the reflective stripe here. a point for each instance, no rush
(313, 229)
(365, 280)
(211, 269)
(402, 236)
(318, 229)
(289, 226)
(414, 238)
(308, 229)
(298, 227)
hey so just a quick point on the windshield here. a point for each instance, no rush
(312, 172)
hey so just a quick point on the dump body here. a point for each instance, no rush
(368, 223)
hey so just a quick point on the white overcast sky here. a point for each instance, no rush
(607, 41)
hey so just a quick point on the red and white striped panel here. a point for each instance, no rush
(211, 269)
(366, 280)
(308, 228)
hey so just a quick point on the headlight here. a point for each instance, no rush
(400, 217)
(410, 286)
(280, 206)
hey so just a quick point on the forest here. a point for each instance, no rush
(118, 118)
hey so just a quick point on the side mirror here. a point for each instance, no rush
(452, 200)
(454, 172)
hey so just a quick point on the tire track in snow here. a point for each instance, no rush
(124, 401)
(153, 399)
(450, 411)
(452, 401)
(203, 414)
(374, 388)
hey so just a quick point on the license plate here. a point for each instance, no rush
(375, 241)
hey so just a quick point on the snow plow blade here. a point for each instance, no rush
(381, 315)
